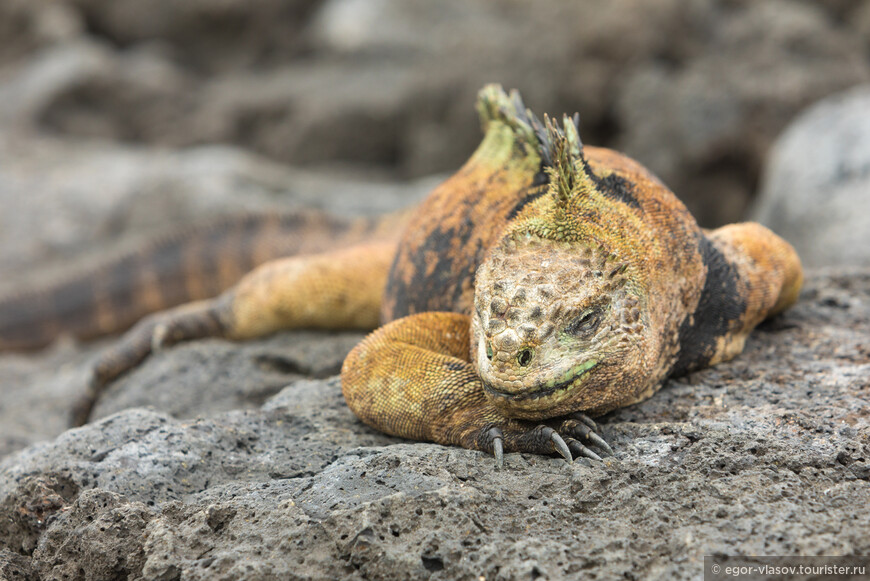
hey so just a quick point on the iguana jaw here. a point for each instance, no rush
(549, 392)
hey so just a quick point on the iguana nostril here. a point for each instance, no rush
(524, 357)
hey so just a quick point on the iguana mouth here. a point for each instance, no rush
(546, 389)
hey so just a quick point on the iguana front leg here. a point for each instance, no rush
(334, 290)
(412, 378)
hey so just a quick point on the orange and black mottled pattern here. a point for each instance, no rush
(451, 232)
(544, 281)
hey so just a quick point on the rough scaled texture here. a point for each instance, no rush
(766, 454)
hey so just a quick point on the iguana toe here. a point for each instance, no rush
(495, 437)
(573, 439)
(579, 449)
(586, 420)
(559, 444)
(578, 426)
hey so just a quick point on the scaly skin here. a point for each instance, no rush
(544, 281)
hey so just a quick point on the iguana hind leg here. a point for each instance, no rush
(412, 378)
(752, 274)
(768, 266)
(334, 290)
(768, 279)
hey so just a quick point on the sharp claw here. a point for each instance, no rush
(498, 452)
(561, 447)
(587, 430)
(586, 420)
(590, 454)
(496, 437)
(599, 441)
(582, 450)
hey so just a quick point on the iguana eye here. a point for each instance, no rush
(524, 357)
(586, 324)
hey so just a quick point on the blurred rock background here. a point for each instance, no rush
(384, 89)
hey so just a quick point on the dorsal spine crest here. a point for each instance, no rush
(570, 175)
(559, 147)
(495, 105)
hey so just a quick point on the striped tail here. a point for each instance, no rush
(195, 264)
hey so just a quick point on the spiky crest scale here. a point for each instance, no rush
(494, 104)
(559, 147)
(567, 171)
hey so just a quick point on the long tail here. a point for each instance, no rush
(195, 264)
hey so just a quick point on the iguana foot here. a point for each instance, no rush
(192, 321)
(582, 426)
(567, 440)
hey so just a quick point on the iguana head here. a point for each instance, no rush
(559, 324)
(555, 326)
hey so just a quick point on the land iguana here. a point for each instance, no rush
(544, 283)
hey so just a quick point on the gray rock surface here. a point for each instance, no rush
(768, 454)
(38, 389)
(816, 188)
